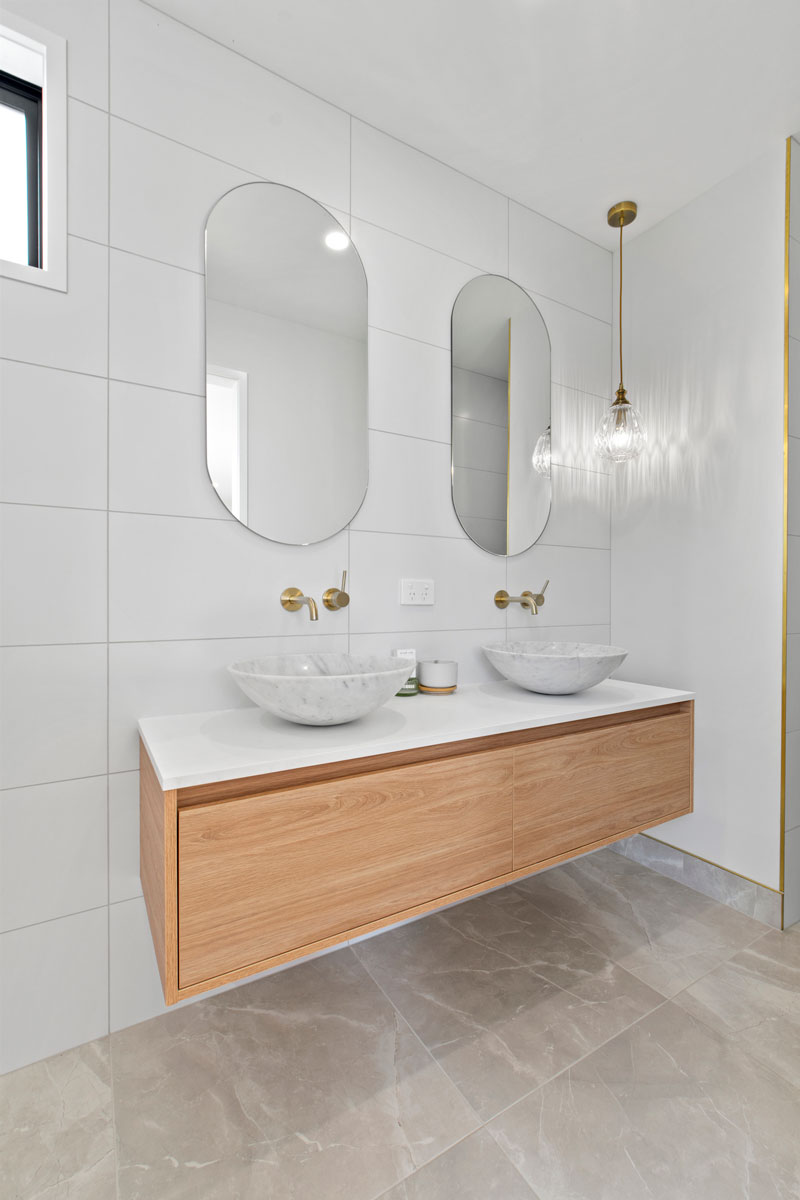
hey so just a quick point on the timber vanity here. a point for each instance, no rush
(263, 841)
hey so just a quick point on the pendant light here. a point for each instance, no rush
(541, 454)
(621, 434)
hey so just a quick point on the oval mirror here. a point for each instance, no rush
(500, 415)
(286, 364)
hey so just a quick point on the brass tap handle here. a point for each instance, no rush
(538, 598)
(336, 598)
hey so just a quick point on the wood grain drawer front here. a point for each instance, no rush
(266, 874)
(577, 789)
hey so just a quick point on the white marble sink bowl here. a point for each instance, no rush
(321, 689)
(555, 668)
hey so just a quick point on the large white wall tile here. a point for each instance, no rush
(794, 287)
(412, 290)
(52, 713)
(794, 382)
(792, 810)
(157, 453)
(162, 193)
(465, 579)
(409, 387)
(793, 683)
(53, 583)
(155, 679)
(555, 262)
(87, 169)
(177, 577)
(405, 191)
(460, 645)
(579, 586)
(409, 487)
(60, 329)
(575, 417)
(480, 445)
(52, 436)
(791, 899)
(156, 324)
(53, 987)
(793, 584)
(580, 514)
(205, 96)
(53, 859)
(84, 23)
(793, 508)
(124, 882)
(580, 348)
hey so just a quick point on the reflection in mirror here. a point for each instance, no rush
(286, 364)
(500, 415)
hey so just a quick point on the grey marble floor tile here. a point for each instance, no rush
(754, 1001)
(502, 996)
(56, 1128)
(668, 1110)
(475, 1169)
(304, 1084)
(662, 932)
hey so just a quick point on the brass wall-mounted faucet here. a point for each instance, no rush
(533, 601)
(292, 599)
(336, 598)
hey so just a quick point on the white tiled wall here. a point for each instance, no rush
(791, 864)
(127, 587)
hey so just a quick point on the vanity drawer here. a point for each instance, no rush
(267, 874)
(582, 788)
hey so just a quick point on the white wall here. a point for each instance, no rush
(791, 912)
(697, 522)
(127, 586)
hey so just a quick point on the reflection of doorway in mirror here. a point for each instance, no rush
(226, 434)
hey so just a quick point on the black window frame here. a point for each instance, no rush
(27, 97)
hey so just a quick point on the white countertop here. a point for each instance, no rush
(208, 747)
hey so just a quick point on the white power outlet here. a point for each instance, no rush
(416, 591)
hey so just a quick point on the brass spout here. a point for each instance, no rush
(292, 599)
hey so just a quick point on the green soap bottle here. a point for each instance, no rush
(411, 685)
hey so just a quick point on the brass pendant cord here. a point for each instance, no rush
(620, 305)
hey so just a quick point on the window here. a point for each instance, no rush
(33, 154)
(21, 155)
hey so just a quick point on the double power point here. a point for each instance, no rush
(417, 591)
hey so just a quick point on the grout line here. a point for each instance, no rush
(80, 912)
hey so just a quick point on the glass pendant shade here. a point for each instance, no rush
(621, 434)
(541, 453)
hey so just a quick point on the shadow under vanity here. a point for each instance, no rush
(263, 841)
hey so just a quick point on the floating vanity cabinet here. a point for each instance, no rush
(244, 873)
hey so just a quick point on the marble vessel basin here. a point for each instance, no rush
(321, 689)
(555, 668)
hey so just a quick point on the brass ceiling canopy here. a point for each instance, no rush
(622, 214)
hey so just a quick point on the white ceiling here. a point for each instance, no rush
(566, 105)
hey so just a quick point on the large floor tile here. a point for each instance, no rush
(56, 1128)
(753, 1000)
(503, 998)
(666, 1110)
(659, 930)
(306, 1084)
(475, 1169)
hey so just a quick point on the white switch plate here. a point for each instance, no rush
(416, 591)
